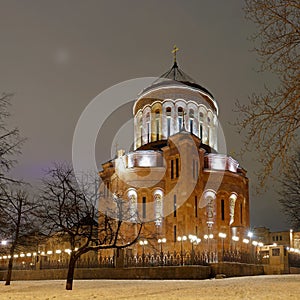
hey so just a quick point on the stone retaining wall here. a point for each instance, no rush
(232, 269)
(185, 272)
(181, 272)
(294, 270)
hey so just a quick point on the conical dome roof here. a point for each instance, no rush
(169, 84)
(177, 74)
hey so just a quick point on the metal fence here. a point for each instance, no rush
(155, 259)
(167, 259)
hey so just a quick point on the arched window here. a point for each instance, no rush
(232, 200)
(132, 197)
(208, 130)
(148, 127)
(140, 127)
(180, 118)
(157, 117)
(210, 197)
(191, 117)
(201, 116)
(158, 198)
(168, 113)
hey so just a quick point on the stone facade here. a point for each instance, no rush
(175, 180)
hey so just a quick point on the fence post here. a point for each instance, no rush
(119, 258)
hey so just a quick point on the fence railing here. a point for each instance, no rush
(156, 259)
(169, 259)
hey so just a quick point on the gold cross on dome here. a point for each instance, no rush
(174, 51)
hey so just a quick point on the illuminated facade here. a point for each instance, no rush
(175, 177)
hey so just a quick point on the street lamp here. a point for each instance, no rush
(235, 239)
(209, 237)
(250, 236)
(143, 244)
(181, 239)
(194, 241)
(222, 236)
(246, 241)
(255, 243)
(161, 242)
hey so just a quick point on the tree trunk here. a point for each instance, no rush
(10, 266)
(71, 270)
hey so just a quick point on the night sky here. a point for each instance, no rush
(56, 56)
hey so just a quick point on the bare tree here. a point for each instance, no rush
(19, 224)
(14, 203)
(270, 122)
(71, 211)
(290, 191)
(10, 141)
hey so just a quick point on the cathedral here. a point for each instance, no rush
(176, 180)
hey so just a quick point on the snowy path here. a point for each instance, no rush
(259, 287)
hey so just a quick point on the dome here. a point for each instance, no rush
(185, 85)
(171, 103)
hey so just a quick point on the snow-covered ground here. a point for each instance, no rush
(259, 287)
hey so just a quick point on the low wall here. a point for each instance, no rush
(231, 269)
(184, 272)
(294, 270)
(178, 272)
(276, 269)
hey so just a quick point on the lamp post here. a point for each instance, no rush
(235, 239)
(161, 242)
(250, 235)
(222, 236)
(209, 237)
(194, 241)
(143, 244)
(181, 239)
(245, 255)
(255, 243)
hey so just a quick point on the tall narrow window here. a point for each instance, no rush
(208, 131)
(168, 121)
(201, 125)
(175, 206)
(196, 230)
(148, 127)
(144, 207)
(180, 118)
(191, 125)
(177, 167)
(157, 124)
(172, 169)
(148, 132)
(191, 115)
(141, 132)
(175, 234)
(222, 209)
(196, 207)
(201, 131)
(158, 208)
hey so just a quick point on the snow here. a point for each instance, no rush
(258, 287)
